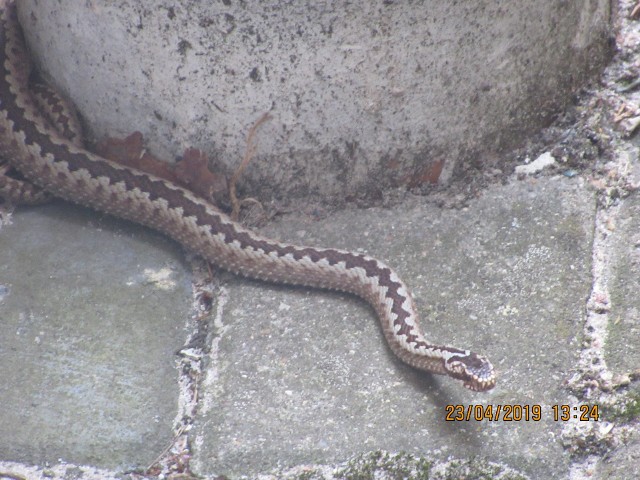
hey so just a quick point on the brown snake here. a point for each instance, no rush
(33, 146)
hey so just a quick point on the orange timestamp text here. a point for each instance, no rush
(520, 413)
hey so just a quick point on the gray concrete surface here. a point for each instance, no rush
(303, 376)
(299, 383)
(92, 312)
(364, 95)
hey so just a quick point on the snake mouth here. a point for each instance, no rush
(478, 385)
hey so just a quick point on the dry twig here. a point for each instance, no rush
(248, 155)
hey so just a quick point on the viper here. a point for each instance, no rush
(62, 167)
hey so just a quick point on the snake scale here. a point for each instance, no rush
(47, 159)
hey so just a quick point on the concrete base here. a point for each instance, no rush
(364, 96)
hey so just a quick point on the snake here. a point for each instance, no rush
(63, 168)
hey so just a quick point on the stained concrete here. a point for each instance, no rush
(364, 95)
(92, 311)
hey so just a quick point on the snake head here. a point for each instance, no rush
(475, 371)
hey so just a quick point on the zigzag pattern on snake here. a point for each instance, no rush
(66, 170)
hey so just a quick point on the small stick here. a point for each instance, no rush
(250, 151)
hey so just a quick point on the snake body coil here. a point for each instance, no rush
(50, 161)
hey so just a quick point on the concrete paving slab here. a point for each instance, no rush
(92, 311)
(617, 302)
(302, 376)
(623, 354)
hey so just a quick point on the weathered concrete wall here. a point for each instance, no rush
(364, 95)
